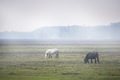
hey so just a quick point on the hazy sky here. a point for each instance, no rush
(28, 15)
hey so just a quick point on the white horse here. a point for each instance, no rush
(50, 52)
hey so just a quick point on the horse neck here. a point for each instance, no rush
(86, 58)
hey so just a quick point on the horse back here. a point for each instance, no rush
(48, 51)
(92, 55)
(54, 50)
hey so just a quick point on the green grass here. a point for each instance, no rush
(28, 62)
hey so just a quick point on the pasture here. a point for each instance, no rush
(24, 60)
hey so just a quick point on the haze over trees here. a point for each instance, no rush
(74, 32)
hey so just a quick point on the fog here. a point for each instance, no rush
(28, 15)
(74, 32)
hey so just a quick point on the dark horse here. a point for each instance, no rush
(91, 55)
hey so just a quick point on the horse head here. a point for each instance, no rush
(85, 60)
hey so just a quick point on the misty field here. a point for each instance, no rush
(24, 60)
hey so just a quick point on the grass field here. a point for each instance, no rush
(24, 60)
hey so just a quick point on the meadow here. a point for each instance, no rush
(24, 60)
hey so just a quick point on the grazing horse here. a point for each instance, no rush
(50, 52)
(91, 55)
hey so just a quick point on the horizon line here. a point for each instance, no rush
(65, 26)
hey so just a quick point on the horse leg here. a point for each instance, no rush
(57, 55)
(88, 60)
(95, 60)
(91, 61)
(50, 56)
(98, 60)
